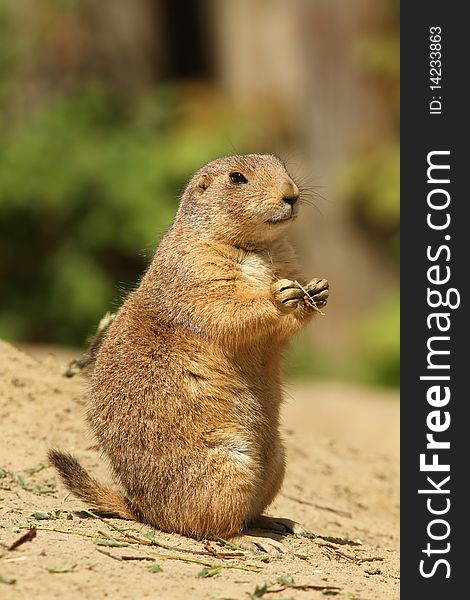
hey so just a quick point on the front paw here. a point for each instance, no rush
(287, 295)
(318, 291)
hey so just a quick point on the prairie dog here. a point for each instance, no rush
(185, 389)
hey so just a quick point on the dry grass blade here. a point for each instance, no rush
(188, 559)
(210, 571)
(214, 552)
(287, 582)
(356, 559)
(111, 543)
(251, 568)
(369, 559)
(79, 533)
(225, 543)
(339, 541)
(151, 541)
(60, 570)
(36, 468)
(130, 557)
(337, 511)
(318, 588)
(113, 556)
(154, 569)
(49, 488)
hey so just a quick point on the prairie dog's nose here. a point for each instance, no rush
(289, 192)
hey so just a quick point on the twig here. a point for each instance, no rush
(109, 554)
(338, 552)
(183, 559)
(356, 559)
(80, 533)
(119, 529)
(308, 299)
(36, 469)
(304, 588)
(369, 559)
(135, 540)
(208, 564)
(225, 543)
(284, 583)
(340, 541)
(342, 513)
(129, 557)
(153, 542)
(125, 557)
(26, 537)
(214, 552)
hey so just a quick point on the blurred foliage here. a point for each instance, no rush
(92, 163)
(86, 183)
(303, 361)
(372, 188)
(372, 176)
(376, 359)
(379, 344)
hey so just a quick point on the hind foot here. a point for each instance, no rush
(280, 526)
(257, 541)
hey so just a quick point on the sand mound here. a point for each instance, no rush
(334, 487)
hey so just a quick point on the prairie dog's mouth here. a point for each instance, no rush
(292, 214)
(281, 219)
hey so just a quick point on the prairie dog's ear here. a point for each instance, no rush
(203, 182)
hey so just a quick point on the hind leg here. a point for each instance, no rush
(271, 480)
(213, 497)
(278, 527)
(258, 536)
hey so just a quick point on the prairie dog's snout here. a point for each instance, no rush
(289, 192)
(286, 207)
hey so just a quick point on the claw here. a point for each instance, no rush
(258, 541)
(281, 526)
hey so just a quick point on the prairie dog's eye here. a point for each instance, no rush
(238, 178)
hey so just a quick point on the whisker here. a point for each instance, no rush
(314, 194)
(311, 204)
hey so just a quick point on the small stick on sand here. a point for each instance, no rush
(183, 559)
(153, 542)
(356, 559)
(26, 537)
(341, 513)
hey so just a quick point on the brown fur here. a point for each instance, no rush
(186, 390)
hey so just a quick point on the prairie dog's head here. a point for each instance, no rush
(245, 201)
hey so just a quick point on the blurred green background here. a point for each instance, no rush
(107, 108)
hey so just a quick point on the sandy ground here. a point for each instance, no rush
(341, 483)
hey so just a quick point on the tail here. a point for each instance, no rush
(86, 362)
(85, 487)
